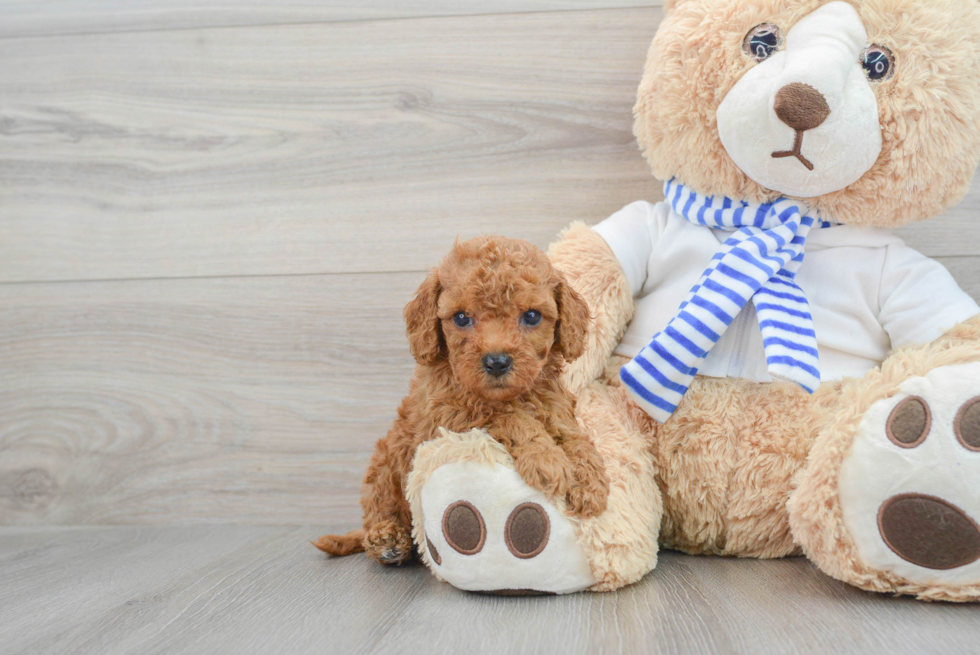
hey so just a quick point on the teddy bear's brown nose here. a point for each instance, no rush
(801, 106)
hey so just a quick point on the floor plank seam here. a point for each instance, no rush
(103, 32)
(241, 276)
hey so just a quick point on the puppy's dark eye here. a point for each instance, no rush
(461, 320)
(878, 63)
(762, 41)
(531, 318)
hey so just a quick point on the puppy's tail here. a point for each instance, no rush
(340, 545)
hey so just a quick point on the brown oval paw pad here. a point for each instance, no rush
(463, 528)
(929, 531)
(967, 424)
(909, 423)
(527, 530)
(433, 553)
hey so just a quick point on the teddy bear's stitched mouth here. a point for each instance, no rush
(797, 151)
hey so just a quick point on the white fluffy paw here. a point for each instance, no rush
(486, 530)
(910, 487)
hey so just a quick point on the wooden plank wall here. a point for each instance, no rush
(210, 218)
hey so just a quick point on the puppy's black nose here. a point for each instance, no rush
(496, 364)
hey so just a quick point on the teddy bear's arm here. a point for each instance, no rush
(919, 301)
(592, 269)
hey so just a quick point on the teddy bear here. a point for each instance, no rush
(769, 372)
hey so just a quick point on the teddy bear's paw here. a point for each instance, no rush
(388, 542)
(910, 487)
(485, 529)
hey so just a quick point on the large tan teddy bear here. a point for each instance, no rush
(769, 372)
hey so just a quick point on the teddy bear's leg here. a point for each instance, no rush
(622, 542)
(889, 499)
(726, 461)
(480, 527)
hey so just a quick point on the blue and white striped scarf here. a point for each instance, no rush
(759, 263)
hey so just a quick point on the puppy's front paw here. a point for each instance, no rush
(547, 474)
(588, 496)
(388, 542)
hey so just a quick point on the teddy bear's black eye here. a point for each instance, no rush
(878, 63)
(762, 41)
(531, 318)
(461, 320)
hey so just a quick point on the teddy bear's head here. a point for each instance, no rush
(867, 109)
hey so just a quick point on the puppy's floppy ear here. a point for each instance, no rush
(423, 326)
(573, 320)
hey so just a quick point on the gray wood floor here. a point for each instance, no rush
(266, 590)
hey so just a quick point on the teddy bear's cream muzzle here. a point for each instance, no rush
(804, 122)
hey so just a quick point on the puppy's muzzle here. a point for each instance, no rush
(497, 364)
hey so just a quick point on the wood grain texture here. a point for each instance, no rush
(330, 148)
(20, 18)
(347, 147)
(278, 150)
(254, 400)
(260, 590)
(240, 400)
(966, 271)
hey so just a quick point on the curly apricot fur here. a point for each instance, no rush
(494, 281)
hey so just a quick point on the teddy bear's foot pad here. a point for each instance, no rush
(488, 531)
(909, 488)
(929, 531)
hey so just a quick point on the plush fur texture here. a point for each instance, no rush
(493, 283)
(815, 511)
(752, 469)
(742, 469)
(620, 543)
(929, 109)
(591, 268)
(726, 460)
(450, 447)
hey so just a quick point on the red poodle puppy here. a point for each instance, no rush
(491, 329)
